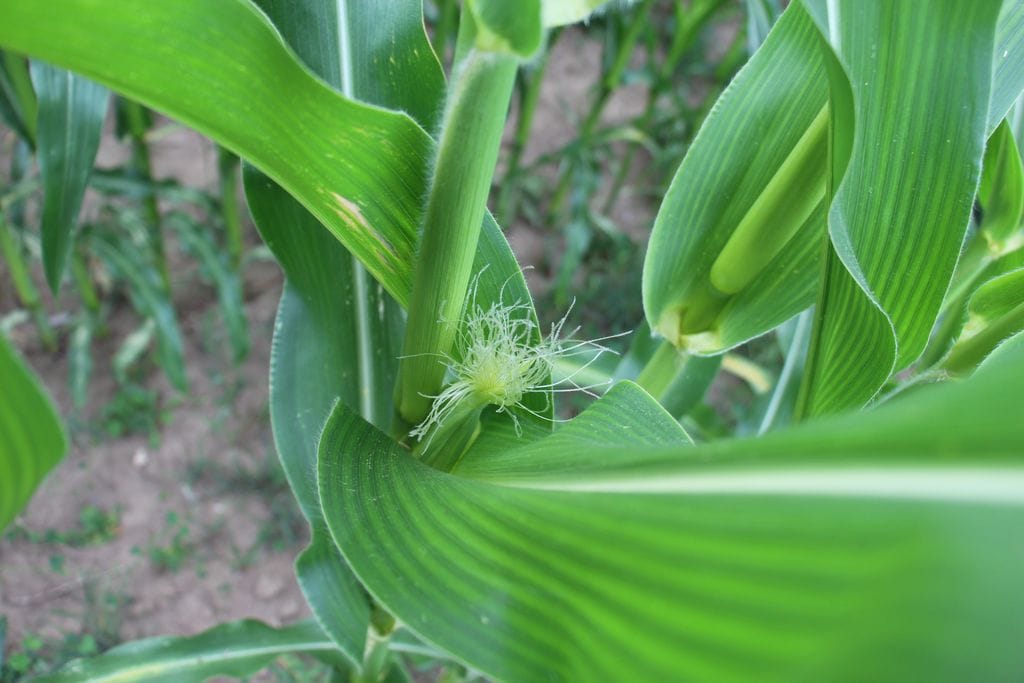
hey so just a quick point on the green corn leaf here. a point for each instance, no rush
(71, 113)
(32, 439)
(321, 354)
(390, 30)
(335, 596)
(862, 547)
(334, 323)
(690, 384)
(995, 313)
(761, 16)
(736, 245)
(148, 297)
(236, 649)
(776, 409)
(503, 453)
(910, 95)
(1007, 61)
(998, 297)
(12, 250)
(1001, 193)
(642, 346)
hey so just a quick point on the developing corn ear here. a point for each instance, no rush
(497, 361)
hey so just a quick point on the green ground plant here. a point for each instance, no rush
(96, 526)
(855, 188)
(172, 546)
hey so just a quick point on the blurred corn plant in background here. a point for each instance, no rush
(56, 119)
(856, 188)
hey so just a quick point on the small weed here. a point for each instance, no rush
(96, 526)
(173, 547)
(57, 564)
(36, 656)
(134, 409)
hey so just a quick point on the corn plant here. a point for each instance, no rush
(836, 179)
(59, 115)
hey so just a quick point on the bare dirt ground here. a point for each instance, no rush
(205, 529)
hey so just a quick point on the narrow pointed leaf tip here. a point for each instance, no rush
(32, 438)
(71, 113)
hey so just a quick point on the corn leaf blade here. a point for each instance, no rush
(236, 649)
(505, 27)
(32, 439)
(71, 113)
(1008, 61)
(148, 297)
(904, 190)
(334, 323)
(314, 363)
(872, 545)
(957, 302)
(215, 265)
